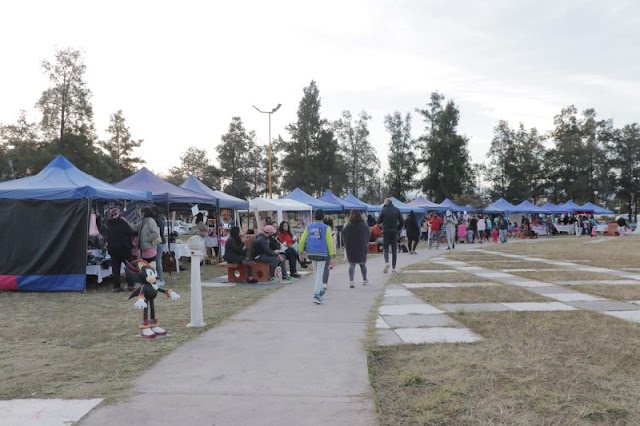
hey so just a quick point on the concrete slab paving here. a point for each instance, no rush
(416, 321)
(476, 284)
(422, 309)
(573, 297)
(605, 305)
(539, 306)
(46, 412)
(471, 268)
(633, 316)
(596, 282)
(381, 323)
(550, 290)
(474, 307)
(402, 300)
(428, 285)
(495, 275)
(397, 292)
(437, 335)
(430, 271)
(388, 338)
(528, 283)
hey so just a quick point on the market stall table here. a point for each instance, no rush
(180, 250)
(568, 229)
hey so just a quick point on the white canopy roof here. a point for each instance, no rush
(279, 205)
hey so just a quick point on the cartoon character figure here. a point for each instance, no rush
(145, 274)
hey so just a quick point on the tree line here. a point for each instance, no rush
(583, 158)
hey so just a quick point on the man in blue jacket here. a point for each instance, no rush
(392, 223)
(316, 244)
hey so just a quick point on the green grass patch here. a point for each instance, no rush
(564, 275)
(435, 277)
(616, 292)
(497, 294)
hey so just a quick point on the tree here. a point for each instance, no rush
(233, 156)
(402, 159)
(516, 162)
(22, 149)
(195, 162)
(626, 159)
(310, 158)
(582, 160)
(444, 152)
(120, 145)
(362, 164)
(65, 105)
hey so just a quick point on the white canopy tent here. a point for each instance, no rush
(278, 205)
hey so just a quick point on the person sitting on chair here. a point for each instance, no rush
(286, 238)
(237, 252)
(262, 252)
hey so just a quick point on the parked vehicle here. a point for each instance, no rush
(176, 226)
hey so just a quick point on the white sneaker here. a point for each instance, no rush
(352, 284)
(365, 282)
(393, 271)
(386, 268)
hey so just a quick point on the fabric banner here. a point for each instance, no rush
(43, 245)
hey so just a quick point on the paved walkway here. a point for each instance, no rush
(282, 361)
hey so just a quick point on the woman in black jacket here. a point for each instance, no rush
(235, 251)
(119, 245)
(413, 232)
(355, 235)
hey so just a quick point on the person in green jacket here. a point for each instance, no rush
(316, 244)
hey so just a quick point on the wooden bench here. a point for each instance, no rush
(238, 272)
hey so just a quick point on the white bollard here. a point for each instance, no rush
(196, 245)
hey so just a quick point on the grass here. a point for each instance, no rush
(551, 368)
(498, 294)
(515, 265)
(85, 345)
(617, 292)
(427, 266)
(615, 252)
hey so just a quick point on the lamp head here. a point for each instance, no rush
(277, 108)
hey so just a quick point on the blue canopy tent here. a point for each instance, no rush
(330, 197)
(528, 207)
(163, 191)
(225, 201)
(571, 207)
(370, 207)
(420, 201)
(450, 205)
(549, 206)
(596, 209)
(405, 208)
(500, 206)
(301, 196)
(470, 209)
(45, 227)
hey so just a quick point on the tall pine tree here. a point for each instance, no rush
(444, 152)
(402, 159)
(233, 156)
(120, 145)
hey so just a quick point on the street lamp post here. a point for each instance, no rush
(269, 112)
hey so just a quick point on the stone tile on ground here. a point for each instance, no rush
(474, 307)
(633, 316)
(471, 268)
(574, 297)
(597, 282)
(597, 269)
(605, 305)
(526, 283)
(381, 323)
(388, 338)
(397, 292)
(217, 284)
(550, 290)
(428, 285)
(476, 284)
(497, 275)
(45, 411)
(402, 300)
(422, 308)
(539, 306)
(437, 335)
(520, 270)
(429, 271)
(416, 321)
(635, 302)
(629, 275)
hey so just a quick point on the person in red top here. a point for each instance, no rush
(286, 238)
(435, 224)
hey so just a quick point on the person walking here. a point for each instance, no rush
(328, 266)
(482, 228)
(413, 232)
(316, 244)
(450, 223)
(355, 235)
(119, 246)
(503, 228)
(435, 223)
(392, 222)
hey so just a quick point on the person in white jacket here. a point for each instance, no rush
(450, 223)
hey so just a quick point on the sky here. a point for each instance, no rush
(180, 71)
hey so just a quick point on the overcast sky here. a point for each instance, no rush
(181, 70)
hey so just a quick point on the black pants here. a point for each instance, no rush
(390, 238)
(292, 256)
(413, 243)
(116, 266)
